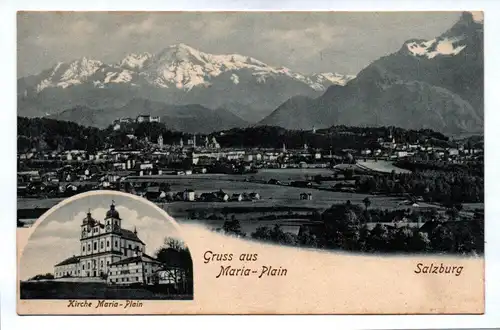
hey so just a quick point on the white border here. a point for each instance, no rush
(9, 318)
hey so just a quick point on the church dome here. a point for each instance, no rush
(112, 212)
(88, 219)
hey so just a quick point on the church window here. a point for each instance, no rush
(107, 244)
(83, 266)
(83, 248)
(95, 246)
(116, 243)
(102, 245)
(102, 263)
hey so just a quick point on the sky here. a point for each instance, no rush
(58, 236)
(307, 42)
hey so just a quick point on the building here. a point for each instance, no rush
(138, 269)
(147, 119)
(254, 196)
(306, 196)
(188, 195)
(237, 197)
(102, 244)
(67, 268)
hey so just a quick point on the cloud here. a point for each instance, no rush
(306, 41)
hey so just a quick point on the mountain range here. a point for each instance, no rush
(192, 118)
(177, 75)
(435, 84)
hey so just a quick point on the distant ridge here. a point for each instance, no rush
(435, 84)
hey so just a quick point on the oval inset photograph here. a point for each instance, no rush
(106, 245)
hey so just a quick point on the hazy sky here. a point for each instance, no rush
(58, 236)
(343, 42)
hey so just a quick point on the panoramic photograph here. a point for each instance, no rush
(341, 131)
(106, 246)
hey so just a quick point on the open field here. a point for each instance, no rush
(284, 175)
(381, 166)
(271, 195)
(249, 226)
(280, 200)
(473, 206)
(78, 290)
(41, 203)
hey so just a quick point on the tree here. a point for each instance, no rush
(262, 233)
(420, 242)
(367, 202)
(378, 238)
(306, 238)
(174, 244)
(176, 258)
(47, 276)
(442, 239)
(281, 237)
(349, 174)
(452, 213)
(233, 227)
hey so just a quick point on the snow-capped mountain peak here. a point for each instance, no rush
(135, 61)
(435, 47)
(178, 66)
(68, 74)
(334, 78)
(450, 43)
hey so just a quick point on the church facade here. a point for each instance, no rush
(107, 250)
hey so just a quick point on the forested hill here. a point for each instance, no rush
(50, 134)
(335, 138)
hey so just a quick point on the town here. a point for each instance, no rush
(209, 177)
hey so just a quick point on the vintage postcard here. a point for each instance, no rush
(250, 163)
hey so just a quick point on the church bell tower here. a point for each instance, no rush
(112, 221)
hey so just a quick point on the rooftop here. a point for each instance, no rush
(127, 234)
(69, 261)
(142, 258)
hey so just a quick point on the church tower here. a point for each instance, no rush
(87, 224)
(112, 220)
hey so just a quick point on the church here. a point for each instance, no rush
(108, 250)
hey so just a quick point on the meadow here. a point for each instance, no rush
(275, 199)
(381, 166)
(81, 290)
